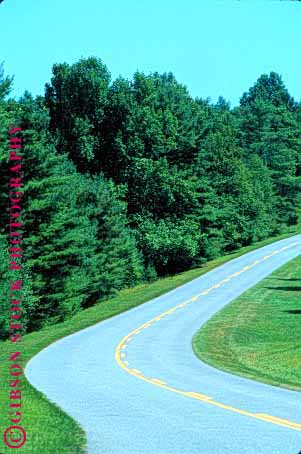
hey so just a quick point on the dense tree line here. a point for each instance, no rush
(128, 180)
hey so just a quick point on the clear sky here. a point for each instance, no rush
(214, 47)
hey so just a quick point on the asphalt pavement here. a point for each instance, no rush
(135, 386)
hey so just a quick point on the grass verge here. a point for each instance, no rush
(259, 334)
(49, 429)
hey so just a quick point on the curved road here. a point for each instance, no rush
(136, 387)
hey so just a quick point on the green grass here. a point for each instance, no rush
(49, 429)
(259, 334)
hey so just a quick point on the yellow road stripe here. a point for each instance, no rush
(157, 381)
(191, 394)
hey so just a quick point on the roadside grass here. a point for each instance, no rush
(49, 429)
(258, 335)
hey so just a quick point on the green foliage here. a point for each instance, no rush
(77, 245)
(158, 188)
(270, 127)
(169, 245)
(129, 180)
(76, 98)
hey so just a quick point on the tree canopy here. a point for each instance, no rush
(127, 180)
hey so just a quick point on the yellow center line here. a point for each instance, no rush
(228, 279)
(119, 356)
(157, 381)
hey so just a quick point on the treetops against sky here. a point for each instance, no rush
(217, 47)
(130, 179)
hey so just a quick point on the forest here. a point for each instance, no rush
(126, 181)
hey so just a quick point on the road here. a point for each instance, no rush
(136, 387)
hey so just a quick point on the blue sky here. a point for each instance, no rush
(214, 47)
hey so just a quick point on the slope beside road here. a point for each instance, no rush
(135, 386)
